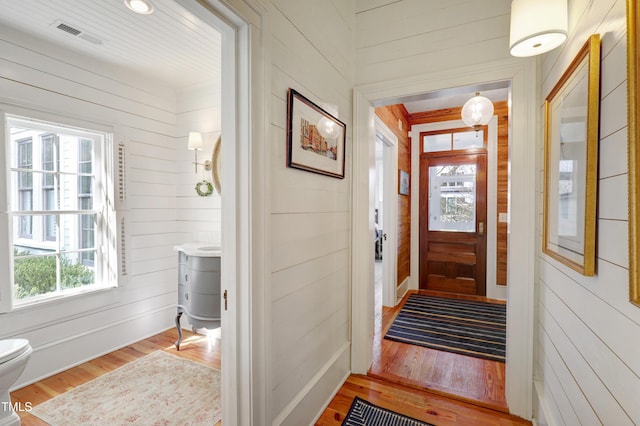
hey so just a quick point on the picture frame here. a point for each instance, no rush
(403, 182)
(633, 96)
(572, 111)
(316, 139)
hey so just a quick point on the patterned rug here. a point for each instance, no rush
(464, 327)
(365, 413)
(157, 389)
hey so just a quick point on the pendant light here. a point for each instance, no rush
(477, 112)
(537, 26)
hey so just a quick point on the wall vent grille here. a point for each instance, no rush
(123, 248)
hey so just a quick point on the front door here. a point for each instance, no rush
(453, 217)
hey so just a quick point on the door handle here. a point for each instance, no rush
(481, 229)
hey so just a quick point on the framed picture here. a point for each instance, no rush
(633, 68)
(316, 139)
(403, 183)
(571, 162)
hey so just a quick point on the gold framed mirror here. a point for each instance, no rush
(571, 162)
(633, 64)
(215, 165)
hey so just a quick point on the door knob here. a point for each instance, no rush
(481, 229)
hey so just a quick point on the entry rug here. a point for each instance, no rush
(364, 413)
(464, 327)
(157, 389)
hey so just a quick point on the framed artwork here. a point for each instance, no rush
(316, 139)
(633, 66)
(571, 162)
(403, 183)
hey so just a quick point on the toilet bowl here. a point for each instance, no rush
(14, 354)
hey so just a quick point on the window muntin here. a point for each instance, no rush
(60, 254)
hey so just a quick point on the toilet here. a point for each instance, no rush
(14, 354)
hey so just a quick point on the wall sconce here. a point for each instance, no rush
(194, 143)
(537, 26)
(477, 112)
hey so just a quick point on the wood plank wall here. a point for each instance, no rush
(587, 368)
(390, 115)
(502, 112)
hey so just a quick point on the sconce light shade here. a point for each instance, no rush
(195, 141)
(477, 112)
(537, 26)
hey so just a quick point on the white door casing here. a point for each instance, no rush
(390, 212)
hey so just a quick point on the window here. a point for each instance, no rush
(24, 161)
(58, 211)
(50, 163)
(453, 140)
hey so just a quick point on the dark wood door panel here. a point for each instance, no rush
(452, 260)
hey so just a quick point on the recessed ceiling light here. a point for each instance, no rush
(143, 7)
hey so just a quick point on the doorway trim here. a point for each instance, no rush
(245, 122)
(389, 211)
(522, 257)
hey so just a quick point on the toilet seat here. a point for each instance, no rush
(12, 348)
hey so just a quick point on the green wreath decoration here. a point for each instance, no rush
(204, 193)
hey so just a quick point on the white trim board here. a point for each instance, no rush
(521, 276)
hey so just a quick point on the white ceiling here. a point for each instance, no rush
(171, 45)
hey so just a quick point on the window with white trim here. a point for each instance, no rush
(59, 211)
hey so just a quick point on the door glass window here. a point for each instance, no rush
(452, 198)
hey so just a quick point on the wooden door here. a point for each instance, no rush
(453, 220)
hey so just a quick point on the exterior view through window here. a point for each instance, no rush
(58, 209)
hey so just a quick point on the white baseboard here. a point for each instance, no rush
(294, 411)
(542, 416)
(62, 354)
(402, 290)
(333, 394)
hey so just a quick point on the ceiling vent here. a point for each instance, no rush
(70, 29)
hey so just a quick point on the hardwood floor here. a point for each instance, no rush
(422, 405)
(462, 378)
(469, 379)
(433, 386)
(203, 349)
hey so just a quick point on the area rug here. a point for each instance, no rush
(464, 327)
(365, 413)
(157, 389)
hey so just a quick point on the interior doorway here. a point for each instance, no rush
(385, 215)
(522, 226)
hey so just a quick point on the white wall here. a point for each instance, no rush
(588, 369)
(143, 116)
(405, 38)
(311, 50)
(198, 109)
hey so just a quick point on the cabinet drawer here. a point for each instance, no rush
(211, 264)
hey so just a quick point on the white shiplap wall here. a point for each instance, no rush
(588, 365)
(406, 38)
(311, 47)
(198, 109)
(144, 117)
